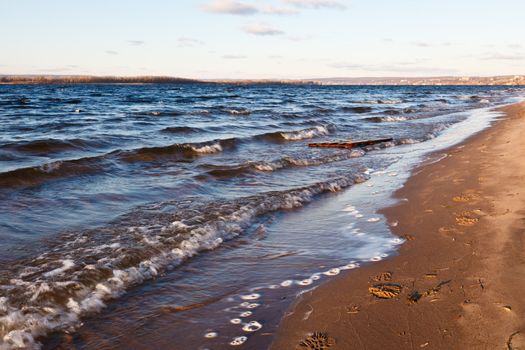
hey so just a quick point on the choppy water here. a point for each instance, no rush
(173, 216)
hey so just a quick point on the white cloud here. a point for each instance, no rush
(504, 57)
(316, 4)
(188, 42)
(421, 44)
(261, 29)
(231, 7)
(136, 42)
(234, 57)
(272, 10)
(346, 65)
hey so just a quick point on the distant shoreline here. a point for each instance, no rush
(514, 80)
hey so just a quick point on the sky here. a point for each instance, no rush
(283, 39)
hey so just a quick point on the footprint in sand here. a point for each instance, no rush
(464, 197)
(317, 340)
(385, 290)
(466, 220)
(461, 199)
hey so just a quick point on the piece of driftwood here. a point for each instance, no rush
(349, 144)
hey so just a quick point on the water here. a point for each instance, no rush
(152, 215)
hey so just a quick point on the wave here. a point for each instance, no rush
(83, 270)
(297, 135)
(278, 164)
(177, 150)
(62, 169)
(157, 113)
(379, 101)
(49, 146)
(181, 129)
(237, 111)
(387, 119)
(191, 99)
(360, 109)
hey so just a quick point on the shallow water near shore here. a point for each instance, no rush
(191, 217)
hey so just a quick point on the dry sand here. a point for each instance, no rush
(458, 281)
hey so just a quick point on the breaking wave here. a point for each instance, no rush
(78, 275)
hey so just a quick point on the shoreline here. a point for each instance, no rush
(456, 281)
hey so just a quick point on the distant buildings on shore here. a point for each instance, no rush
(494, 80)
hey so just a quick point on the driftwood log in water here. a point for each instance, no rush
(349, 144)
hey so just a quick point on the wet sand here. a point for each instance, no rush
(458, 281)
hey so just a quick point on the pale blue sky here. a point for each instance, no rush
(263, 39)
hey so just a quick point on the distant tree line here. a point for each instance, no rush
(88, 79)
(84, 79)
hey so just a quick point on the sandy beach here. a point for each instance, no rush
(457, 282)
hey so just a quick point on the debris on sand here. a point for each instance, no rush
(317, 341)
(414, 297)
(385, 290)
(436, 289)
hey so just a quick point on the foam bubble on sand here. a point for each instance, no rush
(238, 341)
(211, 335)
(305, 282)
(252, 326)
(392, 174)
(253, 296)
(396, 241)
(359, 216)
(274, 286)
(235, 321)
(315, 277)
(246, 314)
(332, 272)
(376, 258)
(373, 220)
(349, 266)
(393, 223)
(286, 283)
